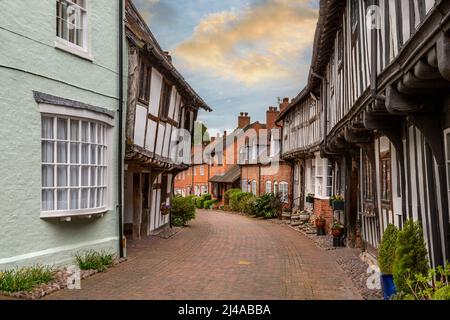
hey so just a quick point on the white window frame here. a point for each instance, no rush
(244, 186)
(268, 186)
(254, 188)
(83, 51)
(275, 187)
(202, 170)
(284, 191)
(47, 110)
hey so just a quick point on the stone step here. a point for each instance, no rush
(295, 217)
(296, 224)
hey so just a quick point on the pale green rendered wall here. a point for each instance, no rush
(29, 61)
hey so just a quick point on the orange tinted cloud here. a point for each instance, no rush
(263, 42)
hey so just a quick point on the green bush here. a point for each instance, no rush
(410, 255)
(247, 204)
(227, 195)
(209, 203)
(25, 279)
(388, 246)
(442, 293)
(237, 199)
(267, 206)
(94, 260)
(199, 202)
(207, 197)
(183, 210)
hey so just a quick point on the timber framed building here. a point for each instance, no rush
(160, 103)
(381, 75)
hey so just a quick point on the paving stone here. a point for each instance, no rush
(222, 256)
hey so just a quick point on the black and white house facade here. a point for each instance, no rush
(380, 76)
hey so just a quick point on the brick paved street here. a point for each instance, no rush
(222, 256)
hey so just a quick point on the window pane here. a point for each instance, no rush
(62, 199)
(74, 176)
(93, 133)
(100, 176)
(74, 130)
(84, 131)
(92, 198)
(47, 128)
(85, 176)
(93, 173)
(99, 198)
(62, 176)
(48, 174)
(74, 152)
(100, 134)
(48, 151)
(74, 196)
(93, 154)
(84, 154)
(99, 156)
(62, 152)
(47, 200)
(84, 198)
(62, 129)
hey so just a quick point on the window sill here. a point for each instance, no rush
(64, 46)
(67, 215)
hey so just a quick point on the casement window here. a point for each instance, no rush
(145, 76)
(197, 191)
(268, 186)
(284, 192)
(74, 165)
(244, 185)
(165, 100)
(71, 23)
(329, 186)
(204, 189)
(313, 176)
(202, 170)
(367, 178)
(275, 187)
(254, 191)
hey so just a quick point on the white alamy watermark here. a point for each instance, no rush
(74, 278)
(373, 281)
(373, 18)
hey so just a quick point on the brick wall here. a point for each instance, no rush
(322, 208)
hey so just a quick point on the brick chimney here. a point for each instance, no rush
(284, 104)
(243, 120)
(271, 115)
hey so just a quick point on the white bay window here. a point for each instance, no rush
(74, 165)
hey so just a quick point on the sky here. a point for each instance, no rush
(238, 55)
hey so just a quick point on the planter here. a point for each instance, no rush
(320, 224)
(337, 232)
(387, 285)
(338, 205)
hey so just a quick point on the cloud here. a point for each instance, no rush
(262, 42)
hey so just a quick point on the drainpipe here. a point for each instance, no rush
(120, 147)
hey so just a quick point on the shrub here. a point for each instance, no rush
(236, 198)
(25, 279)
(209, 203)
(207, 197)
(386, 254)
(432, 286)
(442, 294)
(228, 194)
(410, 255)
(247, 204)
(266, 206)
(199, 202)
(183, 210)
(94, 260)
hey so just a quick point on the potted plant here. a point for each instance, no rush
(310, 198)
(337, 229)
(386, 258)
(338, 203)
(165, 209)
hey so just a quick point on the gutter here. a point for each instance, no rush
(120, 146)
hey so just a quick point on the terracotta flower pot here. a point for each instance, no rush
(320, 224)
(337, 232)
